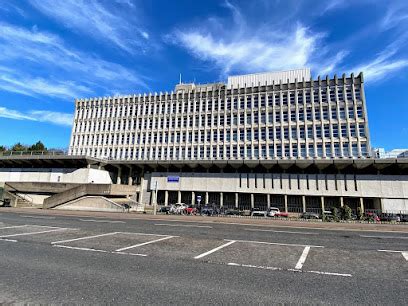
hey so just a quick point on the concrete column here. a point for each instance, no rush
(130, 179)
(118, 180)
(206, 197)
(88, 166)
(221, 199)
(381, 204)
(268, 201)
(252, 201)
(362, 204)
(322, 203)
(236, 200)
(304, 203)
(193, 198)
(141, 189)
(179, 196)
(286, 202)
(166, 198)
(341, 202)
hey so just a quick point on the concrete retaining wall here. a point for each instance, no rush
(92, 203)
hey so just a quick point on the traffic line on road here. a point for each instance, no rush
(83, 238)
(132, 254)
(302, 258)
(215, 249)
(15, 226)
(276, 243)
(183, 225)
(101, 221)
(36, 233)
(8, 240)
(81, 249)
(142, 244)
(36, 217)
(291, 270)
(403, 253)
(286, 232)
(383, 237)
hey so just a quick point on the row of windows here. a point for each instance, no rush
(231, 119)
(214, 152)
(248, 134)
(242, 102)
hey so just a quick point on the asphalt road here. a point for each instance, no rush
(74, 259)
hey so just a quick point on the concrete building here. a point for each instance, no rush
(277, 139)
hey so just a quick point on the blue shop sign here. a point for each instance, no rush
(173, 179)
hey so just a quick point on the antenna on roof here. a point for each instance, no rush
(180, 79)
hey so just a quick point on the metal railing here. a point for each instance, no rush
(31, 153)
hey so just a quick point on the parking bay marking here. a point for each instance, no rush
(383, 237)
(101, 221)
(83, 238)
(36, 233)
(215, 249)
(286, 232)
(403, 253)
(302, 258)
(183, 225)
(292, 270)
(276, 243)
(144, 243)
(36, 217)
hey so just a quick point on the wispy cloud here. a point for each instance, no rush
(40, 62)
(382, 66)
(57, 118)
(396, 15)
(238, 47)
(98, 21)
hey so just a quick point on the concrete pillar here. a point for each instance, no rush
(130, 179)
(304, 203)
(179, 196)
(341, 202)
(252, 201)
(322, 203)
(381, 204)
(236, 200)
(268, 201)
(88, 166)
(286, 202)
(166, 198)
(206, 197)
(141, 188)
(362, 205)
(118, 180)
(193, 198)
(221, 199)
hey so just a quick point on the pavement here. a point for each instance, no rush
(84, 257)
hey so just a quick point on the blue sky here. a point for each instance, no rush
(53, 51)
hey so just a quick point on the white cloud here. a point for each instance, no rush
(396, 15)
(382, 66)
(96, 20)
(27, 54)
(237, 47)
(57, 118)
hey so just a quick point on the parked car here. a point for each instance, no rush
(371, 217)
(275, 212)
(164, 209)
(389, 217)
(232, 212)
(178, 208)
(403, 217)
(327, 214)
(257, 212)
(310, 215)
(207, 211)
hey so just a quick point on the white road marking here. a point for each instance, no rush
(8, 240)
(132, 254)
(292, 270)
(16, 226)
(101, 221)
(83, 238)
(36, 233)
(287, 232)
(36, 217)
(81, 249)
(215, 249)
(405, 254)
(184, 225)
(143, 234)
(275, 243)
(383, 237)
(144, 243)
(302, 258)
(390, 251)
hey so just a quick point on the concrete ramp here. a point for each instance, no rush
(92, 203)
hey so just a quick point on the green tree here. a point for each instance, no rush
(3, 149)
(18, 147)
(38, 146)
(347, 212)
